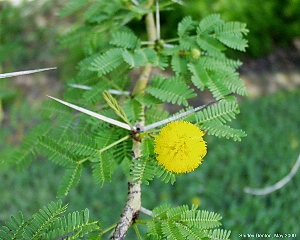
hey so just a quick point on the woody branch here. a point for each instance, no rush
(133, 203)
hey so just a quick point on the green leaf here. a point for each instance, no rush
(52, 108)
(41, 221)
(70, 180)
(185, 26)
(106, 136)
(165, 175)
(217, 86)
(218, 234)
(234, 28)
(81, 144)
(66, 127)
(179, 64)
(147, 147)
(141, 57)
(223, 111)
(147, 99)
(155, 59)
(150, 236)
(153, 115)
(107, 61)
(171, 231)
(220, 63)
(218, 129)
(126, 40)
(187, 43)
(233, 41)
(14, 228)
(201, 219)
(112, 102)
(191, 233)
(172, 90)
(184, 223)
(211, 45)
(133, 109)
(56, 152)
(102, 168)
(85, 75)
(135, 60)
(74, 226)
(209, 24)
(200, 76)
(235, 83)
(143, 170)
(161, 211)
(29, 146)
(176, 212)
(122, 151)
(95, 94)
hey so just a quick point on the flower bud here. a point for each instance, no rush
(196, 53)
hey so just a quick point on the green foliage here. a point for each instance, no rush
(48, 224)
(107, 62)
(278, 26)
(213, 118)
(56, 152)
(172, 90)
(14, 228)
(102, 168)
(229, 167)
(70, 180)
(143, 170)
(125, 40)
(182, 223)
(74, 142)
(212, 70)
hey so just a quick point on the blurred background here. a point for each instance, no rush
(30, 38)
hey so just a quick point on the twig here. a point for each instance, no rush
(278, 185)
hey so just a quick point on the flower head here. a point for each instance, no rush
(180, 147)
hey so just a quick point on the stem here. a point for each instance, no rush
(132, 207)
(113, 144)
(146, 71)
(137, 232)
(108, 229)
(105, 148)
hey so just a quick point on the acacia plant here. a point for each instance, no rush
(125, 127)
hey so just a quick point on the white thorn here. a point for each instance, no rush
(84, 87)
(175, 117)
(93, 114)
(13, 74)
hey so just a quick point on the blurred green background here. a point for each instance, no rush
(29, 38)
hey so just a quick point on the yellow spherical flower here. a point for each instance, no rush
(180, 147)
